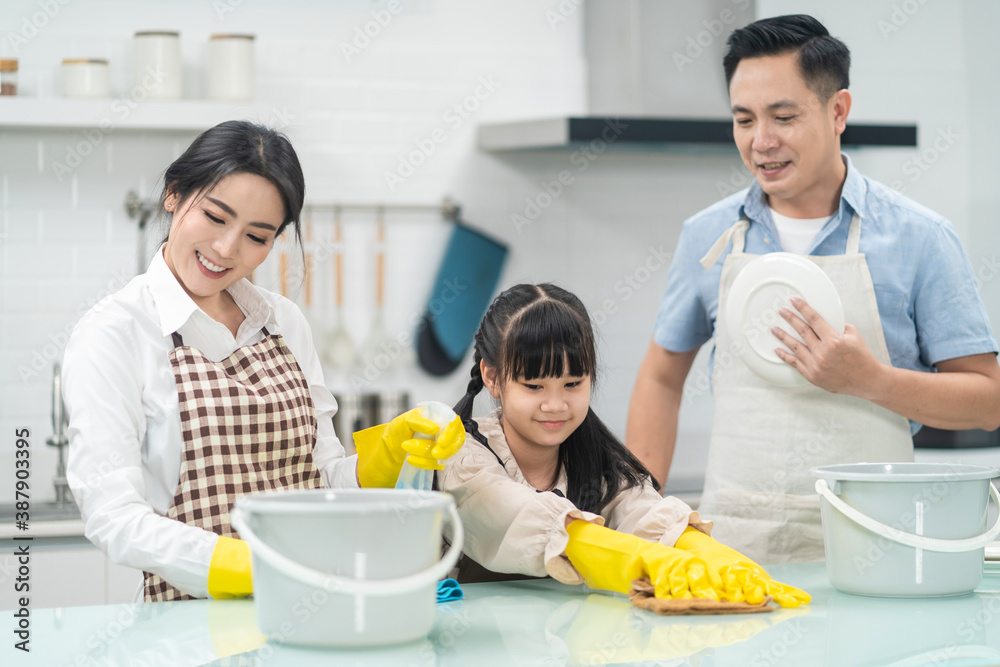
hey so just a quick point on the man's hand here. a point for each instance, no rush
(838, 363)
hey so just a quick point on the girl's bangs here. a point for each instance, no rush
(548, 340)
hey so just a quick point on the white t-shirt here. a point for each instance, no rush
(797, 234)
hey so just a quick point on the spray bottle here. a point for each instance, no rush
(411, 476)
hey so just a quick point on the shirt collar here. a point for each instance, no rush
(852, 196)
(175, 307)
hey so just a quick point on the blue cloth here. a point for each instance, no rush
(449, 590)
(925, 288)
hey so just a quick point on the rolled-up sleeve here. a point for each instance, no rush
(510, 527)
(948, 311)
(103, 393)
(642, 512)
(682, 323)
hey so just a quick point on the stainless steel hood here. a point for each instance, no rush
(654, 78)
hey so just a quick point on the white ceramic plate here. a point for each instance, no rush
(765, 285)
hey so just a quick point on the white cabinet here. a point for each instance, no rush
(65, 572)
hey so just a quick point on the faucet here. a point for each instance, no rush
(59, 439)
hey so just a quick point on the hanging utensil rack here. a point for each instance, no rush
(142, 211)
(449, 209)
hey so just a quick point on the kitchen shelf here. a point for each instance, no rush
(935, 438)
(117, 114)
(573, 132)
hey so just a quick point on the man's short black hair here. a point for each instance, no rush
(824, 60)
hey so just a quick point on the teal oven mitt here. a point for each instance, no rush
(463, 289)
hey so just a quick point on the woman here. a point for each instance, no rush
(191, 386)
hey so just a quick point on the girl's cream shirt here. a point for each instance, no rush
(511, 527)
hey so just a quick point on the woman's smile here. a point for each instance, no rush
(209, 268)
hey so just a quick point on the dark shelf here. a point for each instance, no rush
(936, 438)
(572, 132)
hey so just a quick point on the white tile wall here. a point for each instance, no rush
(65, 242)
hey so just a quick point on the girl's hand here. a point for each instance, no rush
(743, 580)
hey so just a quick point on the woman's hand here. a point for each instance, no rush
(383, 449)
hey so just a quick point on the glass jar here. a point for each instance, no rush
(8, 76)
(86, 77)
(157, 65)
(230, 68)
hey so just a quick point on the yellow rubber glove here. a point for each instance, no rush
(742, 578)
(383, 448)
(610, 560)
(229, 569)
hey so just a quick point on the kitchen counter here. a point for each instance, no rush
(60, 528)
(547, 623)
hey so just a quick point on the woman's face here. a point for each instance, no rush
(541, 412)
(220, 238)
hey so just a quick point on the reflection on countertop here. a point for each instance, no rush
(546, 623)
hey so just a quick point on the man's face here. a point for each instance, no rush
(788, 138)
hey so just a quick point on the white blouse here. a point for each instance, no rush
(124, 420)
(510, 527)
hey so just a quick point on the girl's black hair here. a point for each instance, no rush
(239, 147)
(533, 331)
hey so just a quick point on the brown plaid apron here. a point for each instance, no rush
(248, 425)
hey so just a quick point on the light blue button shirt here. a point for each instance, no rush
(925, 288)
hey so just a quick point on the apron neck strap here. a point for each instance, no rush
(737, 233)
(179, 342)
(854, 236)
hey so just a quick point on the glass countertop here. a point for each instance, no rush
(547, 623)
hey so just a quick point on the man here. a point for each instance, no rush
(917, 348)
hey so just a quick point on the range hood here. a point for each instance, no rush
(574, 132)
(654, 78)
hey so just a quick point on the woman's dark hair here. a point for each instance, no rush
(239, 147)
(534, 331)
(824, 61)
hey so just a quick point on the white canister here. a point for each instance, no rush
(230, 68)
(86, 77)
(157, 66)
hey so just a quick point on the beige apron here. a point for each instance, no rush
(248, 425)
(766, 437)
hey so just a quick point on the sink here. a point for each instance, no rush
(41, 511)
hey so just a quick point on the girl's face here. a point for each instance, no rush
(541, 412)
(218, 239)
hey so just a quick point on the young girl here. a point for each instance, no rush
(192, 386)
(541, 476)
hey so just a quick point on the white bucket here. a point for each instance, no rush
(347, 567)
(906, 529)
